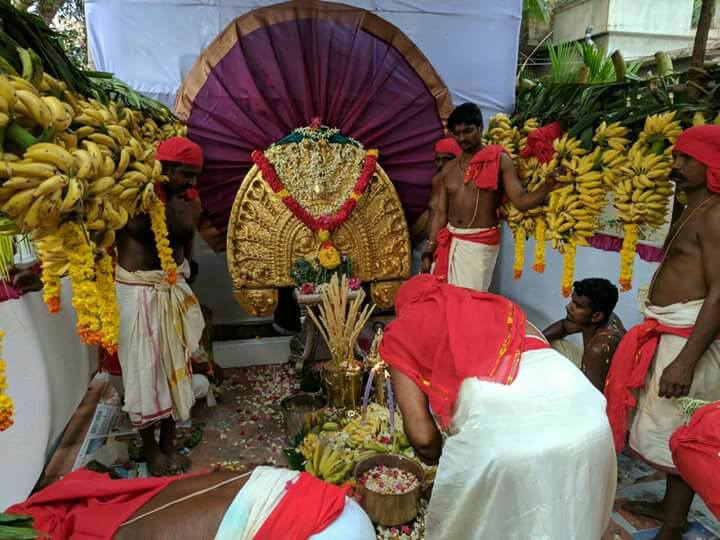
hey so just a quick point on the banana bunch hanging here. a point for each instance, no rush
(642, 187)
(501, 131)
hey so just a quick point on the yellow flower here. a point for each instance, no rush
(519, 262)
(283, 194)
(51, 288)
(568, 268)
(355, 195)
(373, 152)
(81, 270)
(627, 256)
(323, 235)
(540, 228)
(165, 253)
(109, 315)
(7, 409)
(329, 258)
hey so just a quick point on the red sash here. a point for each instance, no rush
(489, 237)
(484, 167)
(628, 371)
(308, 507)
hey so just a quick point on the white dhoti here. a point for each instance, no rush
(470, 263)
(530, 460)
(160, 326)
(656, 418)
(262, 494)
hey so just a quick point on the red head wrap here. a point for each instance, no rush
(180, 150)
(702, 143)
(540, 142)
(444, 334)
(448, 145)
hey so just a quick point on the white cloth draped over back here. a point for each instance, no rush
(530, 460)
(160, 326)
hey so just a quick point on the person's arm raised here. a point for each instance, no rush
(521, 199)
(419, 425)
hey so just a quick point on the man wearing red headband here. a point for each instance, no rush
(160, 323)
(529, 452)
(464, 232)
(446, 150)
(676, 351)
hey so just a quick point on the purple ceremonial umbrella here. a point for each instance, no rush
(279, 67)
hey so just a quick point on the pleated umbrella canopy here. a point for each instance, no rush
(280, 67)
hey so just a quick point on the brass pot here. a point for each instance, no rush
(301, 412)
(343, 387)
(390, 510)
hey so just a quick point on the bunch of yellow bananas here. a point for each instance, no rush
(501, 131)
(613, 143)
(643, 189)
(359, 432)
(573, 209)
(530, 125)
(659, 134)
(327, 462)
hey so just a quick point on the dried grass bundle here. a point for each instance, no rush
(341, 321)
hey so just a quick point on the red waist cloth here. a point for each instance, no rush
(696, 454)
(86, 505)
(628, 370)
(308, 507)
(489, 237)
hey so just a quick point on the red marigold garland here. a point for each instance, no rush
(328, 222)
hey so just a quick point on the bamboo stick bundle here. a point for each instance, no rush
(340, 321)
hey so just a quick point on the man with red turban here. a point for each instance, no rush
(464, 232)
(529, 452)
(160, 323)
(676, 351)
(446, 150)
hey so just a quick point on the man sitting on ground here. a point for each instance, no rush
(529, 452)
(590, 312)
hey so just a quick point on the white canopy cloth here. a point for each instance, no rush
(152, 44)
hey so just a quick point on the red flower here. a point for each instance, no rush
(307, 288)
(327, 244)
(354, 283)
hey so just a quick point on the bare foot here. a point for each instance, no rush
(654, 510)
(182, 463)
(158, 463)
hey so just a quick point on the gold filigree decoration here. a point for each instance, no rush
(264, 238)
(383, 293)
(318, 174)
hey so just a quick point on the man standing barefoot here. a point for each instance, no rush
(675, 352)
(160, 323)
(465, 203)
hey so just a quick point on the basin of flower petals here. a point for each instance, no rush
(415, 530)
(389, 480)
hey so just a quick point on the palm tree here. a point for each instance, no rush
(536, 9)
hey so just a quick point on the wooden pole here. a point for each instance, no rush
(699, 47)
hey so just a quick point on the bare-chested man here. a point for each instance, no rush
(464, 230)
(591, 313)
(675, 352)
(160, 322)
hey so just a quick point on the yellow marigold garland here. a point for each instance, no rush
(627, 256)
(109, 315)
(82, 277)
(7, 408)
(165, 253)
(568, 274)
(329, 257)
(540, 228)
(51, 288)
(519, 261)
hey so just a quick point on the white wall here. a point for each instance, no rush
(635, 27)
(540, 294)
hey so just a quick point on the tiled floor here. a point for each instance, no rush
(246, 428)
